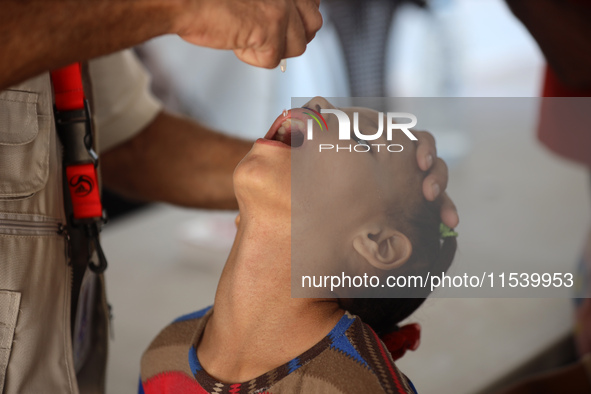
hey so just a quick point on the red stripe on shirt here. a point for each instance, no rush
(390, 366)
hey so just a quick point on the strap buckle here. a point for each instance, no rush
(92, 232)
(75, 132)
(74, 129)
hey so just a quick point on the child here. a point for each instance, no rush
(257, 338)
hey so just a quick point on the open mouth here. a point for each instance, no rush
(289, 129)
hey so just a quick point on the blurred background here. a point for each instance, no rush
(517, 201)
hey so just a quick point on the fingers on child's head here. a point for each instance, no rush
(435, 181)
(449, 213)
(426, 149)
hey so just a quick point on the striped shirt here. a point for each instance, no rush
(350, 359)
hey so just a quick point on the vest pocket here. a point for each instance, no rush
(24, 145)
(9, 307)
(33, 263)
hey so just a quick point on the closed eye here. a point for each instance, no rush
(359, 140)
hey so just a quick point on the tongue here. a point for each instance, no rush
(291, 137)
(294, 138)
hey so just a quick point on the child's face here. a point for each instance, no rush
(327, 192)
(353, 188)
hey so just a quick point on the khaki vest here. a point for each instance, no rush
(36, 344)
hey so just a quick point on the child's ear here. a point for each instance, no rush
(386, 249)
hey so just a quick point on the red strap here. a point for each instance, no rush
(67, 88)
(68, 91)
(408, 337)
(84, 191)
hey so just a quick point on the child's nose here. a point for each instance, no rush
(318, 103)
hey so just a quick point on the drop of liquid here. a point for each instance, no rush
(285, 113)
(283, 65)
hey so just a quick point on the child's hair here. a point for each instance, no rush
(430, 253)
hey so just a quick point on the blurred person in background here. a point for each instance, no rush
(562, 30)
(353, 55)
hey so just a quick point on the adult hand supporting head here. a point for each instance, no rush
(260, 32)
(435, 182)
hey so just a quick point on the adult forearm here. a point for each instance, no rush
(40, 35)
(563, 32)
(178, 161)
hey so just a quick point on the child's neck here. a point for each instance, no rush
(256, 326)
